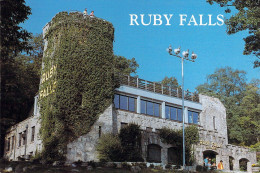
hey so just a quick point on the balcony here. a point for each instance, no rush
(156, 87)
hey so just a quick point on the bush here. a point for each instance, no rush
(130, 137)
(151, 166)
(109, 148)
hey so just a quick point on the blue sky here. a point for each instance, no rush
(215, 49)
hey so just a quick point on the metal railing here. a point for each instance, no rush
(156, 87)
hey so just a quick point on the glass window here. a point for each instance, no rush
(195, 117)
(143, 107)
(123, 102)
(167, 112)
(173, 113)
(116, 101)
(149, 108)
(131, 104)
(156, 109)
(190, 117)
(179, 114)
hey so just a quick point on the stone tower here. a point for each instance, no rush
(77, 82)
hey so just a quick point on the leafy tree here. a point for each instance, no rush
(225, 83)
(170, 82)
(13, 37)
(13, 40)
(246, 19)
(241, 101)
(125, 66)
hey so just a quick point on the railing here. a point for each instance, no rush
(156, 87)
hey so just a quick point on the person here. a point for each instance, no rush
(206, 160)
(209, 165)
(213, 167)
(85, 13)
(220, 165)
(92, 14)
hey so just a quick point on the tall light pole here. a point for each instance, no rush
(185, 56)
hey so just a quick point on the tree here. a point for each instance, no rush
(13, 40)
(247, 19)
(241, 101)
(170, 82)
(13, 37)
(125, 66)
(226, 84)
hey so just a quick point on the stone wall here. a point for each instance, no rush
(213, 110)
(30, 147)
(84, 148)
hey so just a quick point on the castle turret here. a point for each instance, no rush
(77, 77)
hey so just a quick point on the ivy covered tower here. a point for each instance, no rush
(77, 82)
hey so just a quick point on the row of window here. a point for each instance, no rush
(151, 108)
(22, 139)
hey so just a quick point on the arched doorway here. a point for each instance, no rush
(154, 153)
(231, 162)
(174, 156)
(211, 155)
(243, 164)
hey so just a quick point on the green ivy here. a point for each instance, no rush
(126, 146)
(174, 137)
(82, 50)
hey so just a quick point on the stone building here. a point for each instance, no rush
(152, 106)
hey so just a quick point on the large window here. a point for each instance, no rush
(173, 113)
(193, 117)
(150, 108)
(125, 102)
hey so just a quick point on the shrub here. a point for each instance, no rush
(109, 148)
(130, 138)
(151, 166)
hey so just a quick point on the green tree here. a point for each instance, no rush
(246, 19)
(241, 101)
(125, 66)
(226, 84)
(13, 36)
(13, 40)
(170, 82)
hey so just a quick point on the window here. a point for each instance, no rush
(125, 102)
(179, 111)
(154, 153)
(8, 144)
(99, 131)
(12, 142)
(150, 108)
(24, 137)
(171, 113)
(190, 117)
(20, 140)
(33, 133)
(214, 122)
(193, 117)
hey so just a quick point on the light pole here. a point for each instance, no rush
(185, 56)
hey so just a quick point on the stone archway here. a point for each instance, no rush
(174, 156)
(211, 155)
(154, 153)
(231, 163)
(243, 164)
